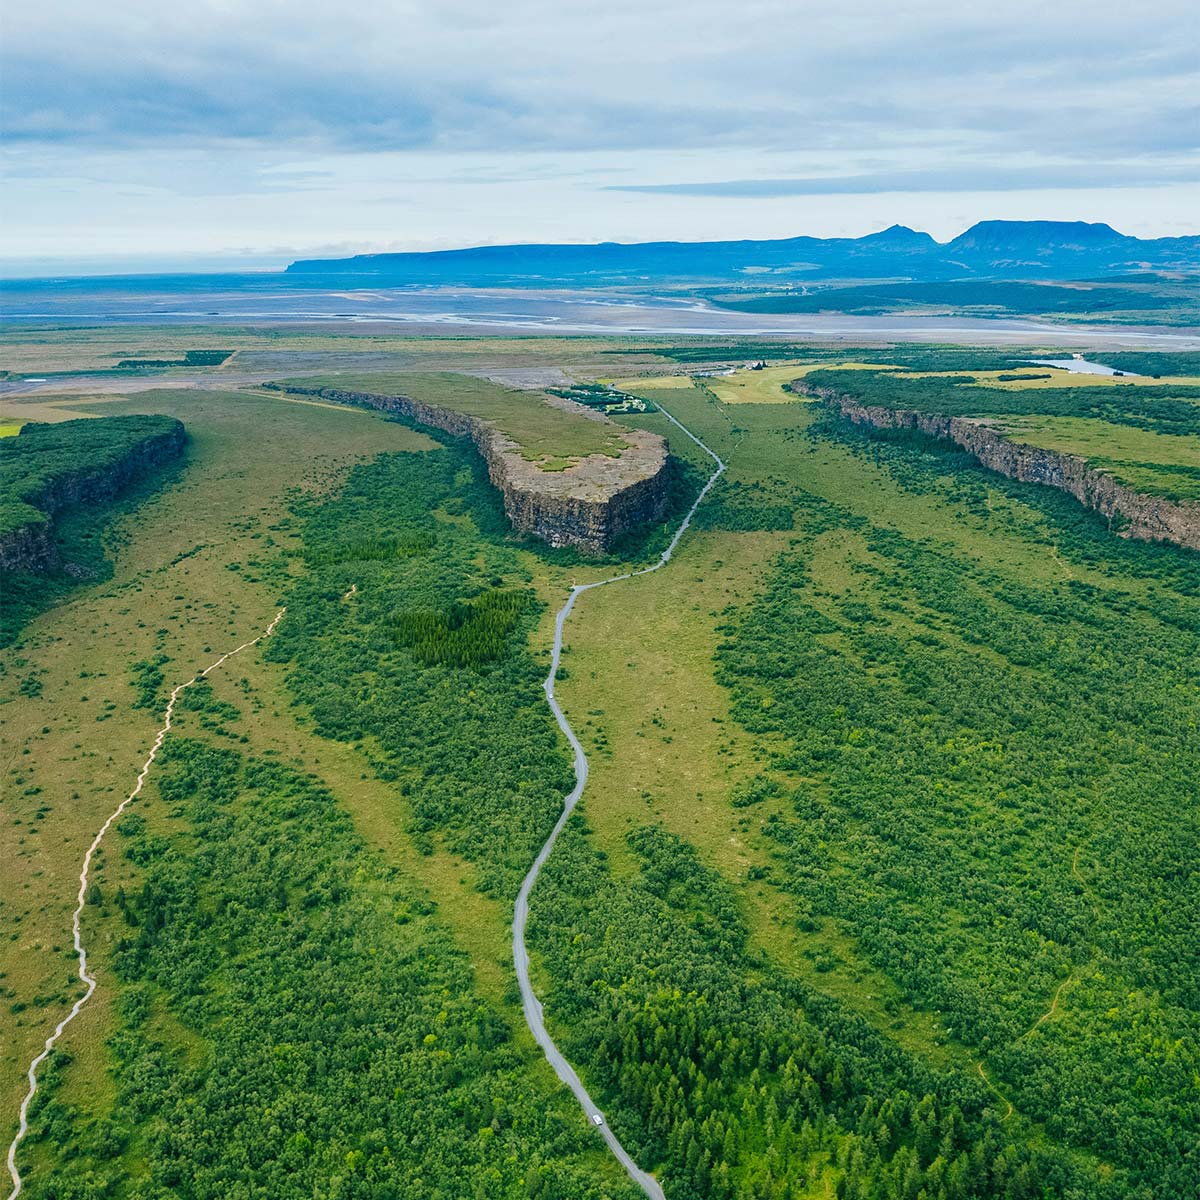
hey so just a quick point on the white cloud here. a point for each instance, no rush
(456, 121)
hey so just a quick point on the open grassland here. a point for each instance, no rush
(550, 433)
(65, 352)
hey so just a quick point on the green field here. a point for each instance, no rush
(546, 433)
(882, 884)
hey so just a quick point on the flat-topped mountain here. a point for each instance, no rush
(567, 474)
(988, 250)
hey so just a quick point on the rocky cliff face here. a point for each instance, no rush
(1151, 518)
(589, 505)
(31, 547)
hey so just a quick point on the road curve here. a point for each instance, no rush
(529, 1000)
(85, 977)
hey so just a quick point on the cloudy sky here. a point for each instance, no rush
(219, 133)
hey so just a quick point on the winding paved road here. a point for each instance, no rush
(529, 1000)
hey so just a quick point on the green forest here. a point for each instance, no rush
(1144, 300)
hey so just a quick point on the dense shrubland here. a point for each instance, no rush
(474, 750)
(1154, 362)
(191, 358)
(1153, 300)
(426, 664)
(650, 978)
(294, 1020)
(991, 786)
(735, 505)
(60, 486)
(738, 1080)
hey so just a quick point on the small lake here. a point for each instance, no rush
(1080, 366)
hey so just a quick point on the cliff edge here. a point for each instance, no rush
(1148, 517)
(49, 468)
(590, 504)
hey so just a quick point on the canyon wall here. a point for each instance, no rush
(1149, 517)
(589, 505)
(31, 546)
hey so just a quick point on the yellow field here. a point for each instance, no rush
(654, 381)
(765, 386)
(756, 387)
(16, 411)
(1058, 378)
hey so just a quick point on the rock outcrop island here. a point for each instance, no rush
(590, 504)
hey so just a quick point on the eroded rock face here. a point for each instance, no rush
(1151, 518)
(589, 505)
(32, 547)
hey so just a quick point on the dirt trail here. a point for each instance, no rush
(1073, 977)
(1052, 1009)
(993, 1088)
(84, 976)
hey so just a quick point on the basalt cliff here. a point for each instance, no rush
(589, 505)
(69, 476)
(1151, 518)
